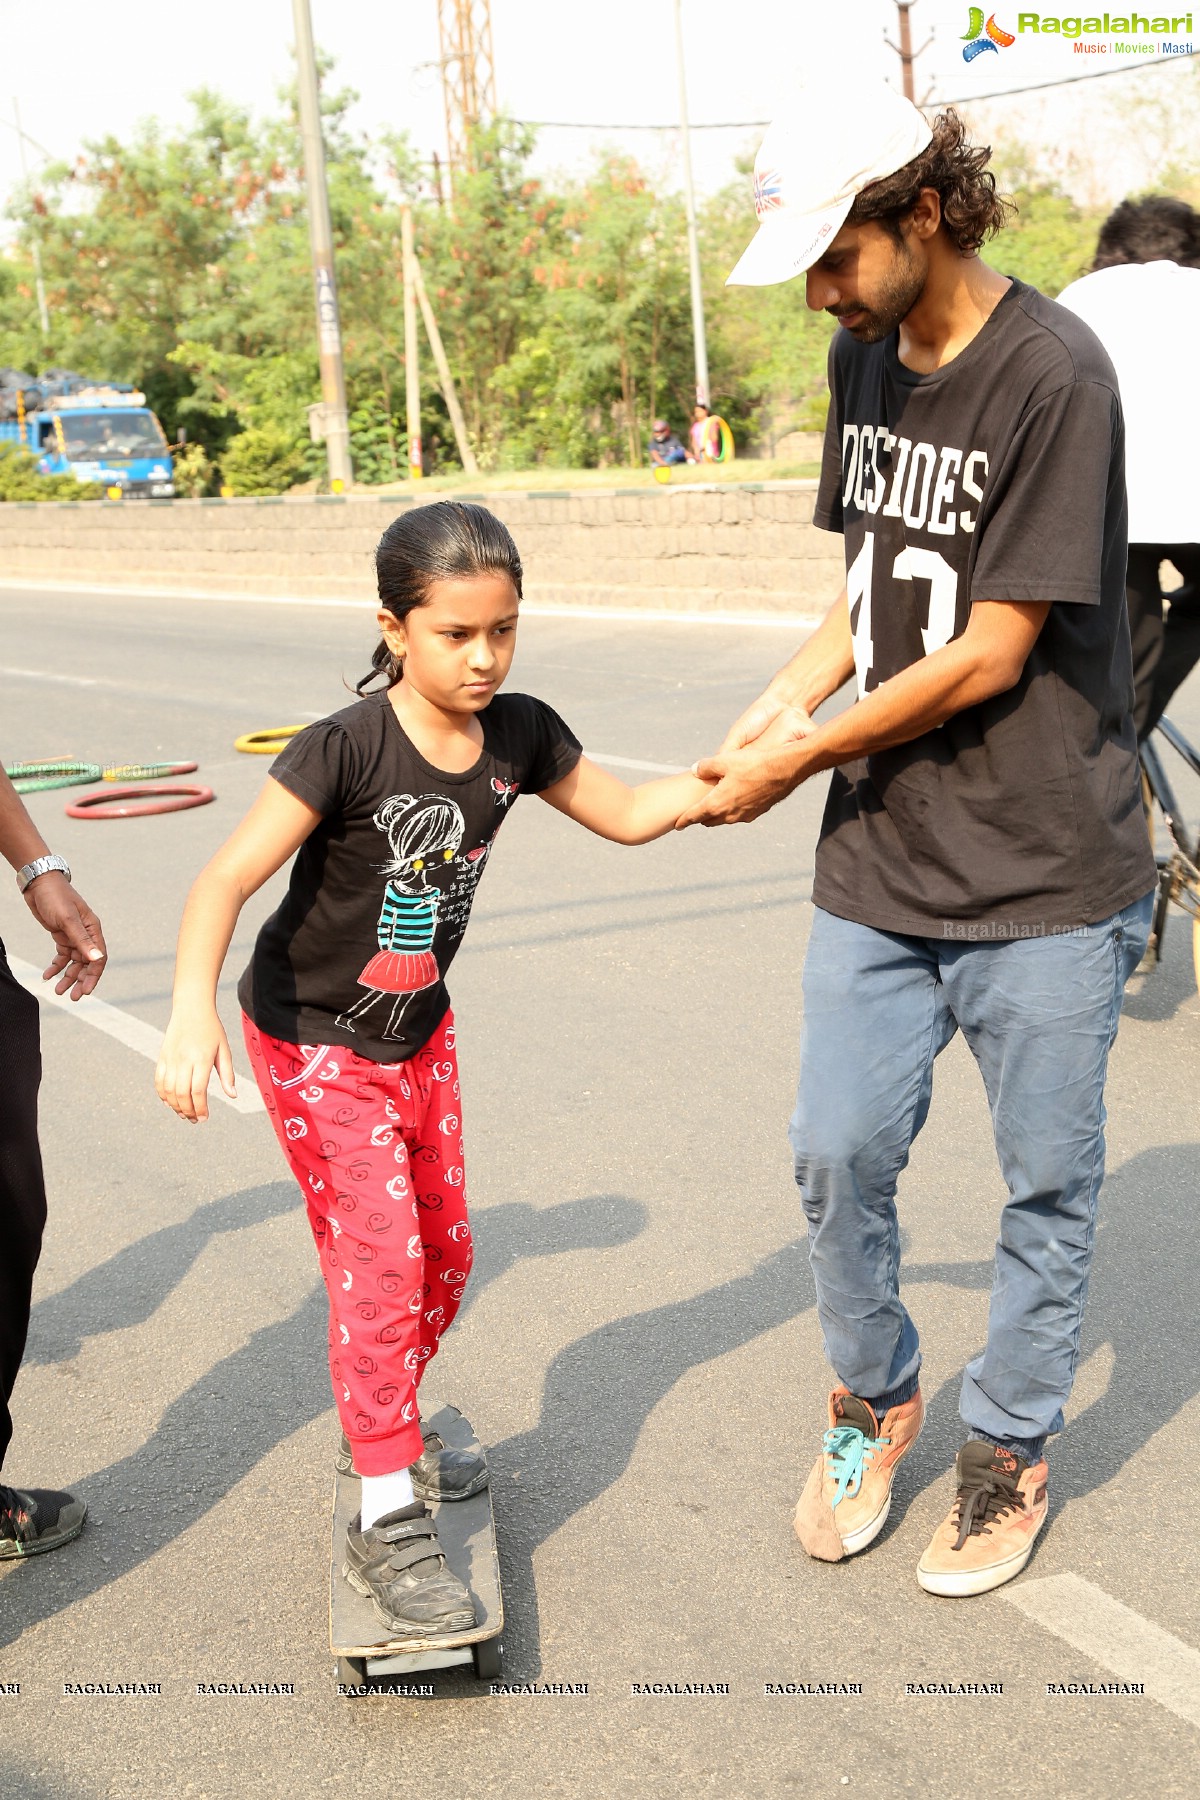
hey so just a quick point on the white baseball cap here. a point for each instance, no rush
(813, 164)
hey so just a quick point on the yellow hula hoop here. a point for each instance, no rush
(718, 440)
(266, 743)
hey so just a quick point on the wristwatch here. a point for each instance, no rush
(41, 865)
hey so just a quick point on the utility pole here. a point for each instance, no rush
(441, 363)
(412, 377)
(699, 342)
(904, 49)
(39, 284)
(334, 421)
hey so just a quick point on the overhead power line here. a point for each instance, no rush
(1033, 87)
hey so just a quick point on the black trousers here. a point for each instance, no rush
(1165, 649)
(22, 1188)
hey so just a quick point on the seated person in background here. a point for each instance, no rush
(699, 432)
(665, 447)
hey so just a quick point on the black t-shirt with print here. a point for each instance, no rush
(997, 477)
(381, 890)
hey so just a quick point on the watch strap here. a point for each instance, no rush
(41, 865)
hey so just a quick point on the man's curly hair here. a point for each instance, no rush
(972, 210)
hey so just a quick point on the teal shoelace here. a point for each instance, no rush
(850, 1452)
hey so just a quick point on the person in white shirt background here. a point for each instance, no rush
(1142, 300)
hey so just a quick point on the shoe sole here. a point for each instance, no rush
(411, 1628)
(866, 1534)
(952, 1586)
(13, 1551)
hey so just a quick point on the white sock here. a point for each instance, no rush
(383, 1494)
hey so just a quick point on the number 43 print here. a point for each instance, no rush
(912, 564)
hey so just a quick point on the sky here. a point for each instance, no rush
(81, 70)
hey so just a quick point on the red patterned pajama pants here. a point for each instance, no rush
(377, 1149)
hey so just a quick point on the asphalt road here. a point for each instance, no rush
(639, 1351)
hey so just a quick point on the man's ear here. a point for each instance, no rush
(926, 215)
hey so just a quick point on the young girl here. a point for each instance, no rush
(392, 805)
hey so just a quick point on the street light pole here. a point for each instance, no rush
(335, 421)
(689, 194)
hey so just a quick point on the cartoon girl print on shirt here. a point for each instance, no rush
(425, 833)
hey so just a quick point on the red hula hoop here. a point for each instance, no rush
(134, 802)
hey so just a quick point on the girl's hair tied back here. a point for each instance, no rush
(443, 541)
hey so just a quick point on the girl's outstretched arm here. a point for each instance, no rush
(627, 815)
(195, 1042)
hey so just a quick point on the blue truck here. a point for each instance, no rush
(106, 435)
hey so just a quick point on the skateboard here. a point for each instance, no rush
(359, 1639)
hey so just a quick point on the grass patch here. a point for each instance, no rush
(547, 481)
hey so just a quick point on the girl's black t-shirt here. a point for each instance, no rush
(997, 477)
(381, 890)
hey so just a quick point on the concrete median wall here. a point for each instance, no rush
(735, 548)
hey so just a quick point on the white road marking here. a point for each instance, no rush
(1116, 1637)
(631, 615)
(630, 762)
(135, 1034)
(47, 675)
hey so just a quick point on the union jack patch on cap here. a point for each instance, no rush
(768, 192)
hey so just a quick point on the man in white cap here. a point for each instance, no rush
(983, 864)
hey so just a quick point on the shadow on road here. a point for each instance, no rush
(1138, 1302)
(133, 1284)
(599, 1392)
(219, 1429)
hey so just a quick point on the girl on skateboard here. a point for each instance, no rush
(389, 808)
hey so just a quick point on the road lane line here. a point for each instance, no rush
(630, 762)
(625, 615)
(1116, 1637)
(46, 675)
(135, 1034)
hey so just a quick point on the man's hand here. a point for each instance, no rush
(748, 782)
(80, 954)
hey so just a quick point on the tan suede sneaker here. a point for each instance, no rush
(848, 1493)
(988, 1536)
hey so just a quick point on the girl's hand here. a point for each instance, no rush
(790, 724)
(191, 1049)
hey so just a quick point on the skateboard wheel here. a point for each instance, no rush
(351, 1672)
(489, 1659)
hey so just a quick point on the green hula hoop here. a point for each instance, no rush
(33, 778)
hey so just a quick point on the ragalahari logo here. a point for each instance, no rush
(980, 37)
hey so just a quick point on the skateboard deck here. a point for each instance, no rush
(361, 1643)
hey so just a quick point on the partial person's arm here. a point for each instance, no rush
(80, 952)
(195, 1042)
(823, 664)
(986, 660)
(625, 815)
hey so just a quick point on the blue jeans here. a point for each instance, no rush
(1039, 1015)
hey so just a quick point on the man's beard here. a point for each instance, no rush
(900, 292)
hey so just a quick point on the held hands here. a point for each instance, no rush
(193, 1046)
(749, 778)
(80, 953)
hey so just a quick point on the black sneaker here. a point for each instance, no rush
(439, 1473)
(400, 1566)
(37, 1519)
